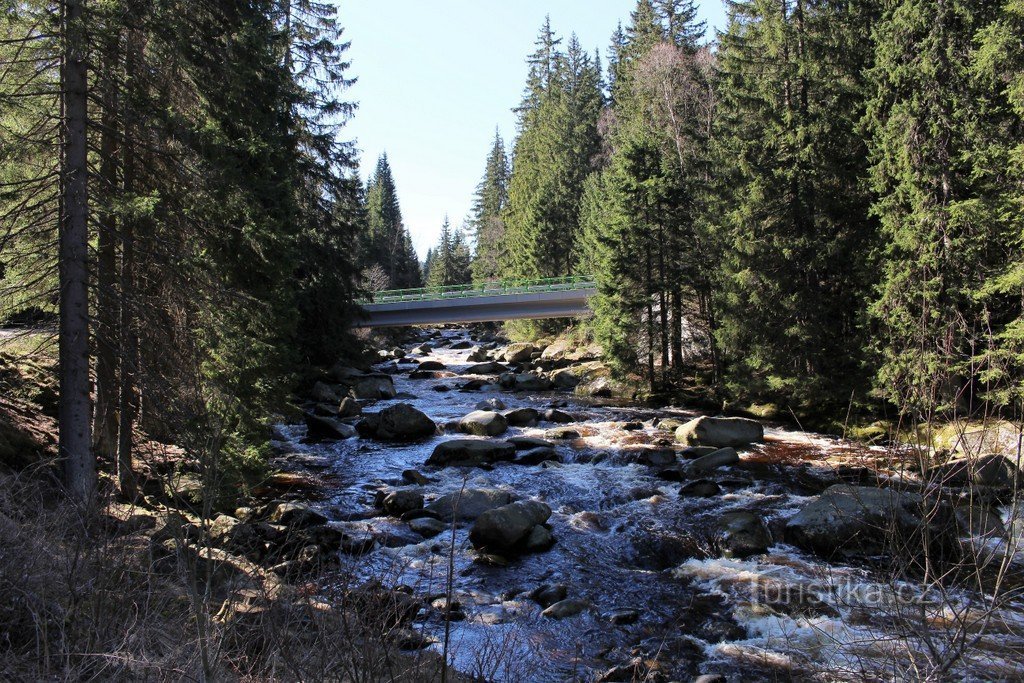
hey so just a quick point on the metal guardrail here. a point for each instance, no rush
(491, 288)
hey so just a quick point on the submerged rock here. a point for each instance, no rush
(720, 431)
(548, 594)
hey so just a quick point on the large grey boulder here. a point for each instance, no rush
(402, 422)
(714, 460)
(483, 423)
(324, 393)
(519, 352)
(502, 529)
(742, 534)
(372, 386)
(401, 501)
(469, 504)
(855, 519)
(490, 368)
(531, 382)
(721, 432)
(565, 379)
(986, 470)
(471, 452)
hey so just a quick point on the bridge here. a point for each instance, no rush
(488, 301)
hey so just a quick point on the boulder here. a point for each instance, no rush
(700, 488)
(402, 422)
(321, 428)
(428, 527)
(504, 530)
(519, 352)
(720, 431)
(714, 460)
(296, 516)
(536, 456)
(375, 386)
(324, 393)
(562, 434)
(349, 407)
(477, 355)
(539, 540)
(742, 534)
(531, 382)
(490, 368)
(987, 470)
(397, 503)
(548, 594)
(565, 379)
(525, 443)
(854, 519)
(565, 609)
(471, 453)
(469, 504)
(461, 345)
(490, 404)
(522, 417)
(558, 416)
(430, 365)
(657, 457)
(483, 423)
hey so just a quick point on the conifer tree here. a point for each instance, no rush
(387, 242)
(488, 205)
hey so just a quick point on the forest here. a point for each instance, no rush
(814, 216)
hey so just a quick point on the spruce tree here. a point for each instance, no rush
(387, 242)
(488, 205)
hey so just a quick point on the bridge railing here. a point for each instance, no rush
(490, 288)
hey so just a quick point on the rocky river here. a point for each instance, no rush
(634, 558)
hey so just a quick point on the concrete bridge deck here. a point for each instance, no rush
(493, 301)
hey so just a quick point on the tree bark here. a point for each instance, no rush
(74, 412)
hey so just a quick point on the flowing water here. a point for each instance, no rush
(626, 540)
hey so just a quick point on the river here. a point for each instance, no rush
(663, 603)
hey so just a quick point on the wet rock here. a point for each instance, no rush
(490, 560)
(632, 426)
(349, 407)
(490, 368)
(565, 609)
(712, 461)
(525, 443)
(427, 527)
(979, 521)
(518, 353)
(490, 404)
(700, 488)
(562, 434)
(430, 365)
(440, 388)
(623, 616)
(469, 504)
(558, 416)
(657, 457)
(536, 456)
(473, 385)
(423, 349)
(430, 374)
(636, 669)
(320, 428)
(522, 417)
(710, 678)
(548, 594)
(986, 470)
(504, 529)
(296, 516)
(324, 393)
(397, 503)
(402, 422)
(477, 355)
(742, 534)
(372, 386)
(471, 453)
(671, 474)
(531, 382)
(410, 639)
(414, 477)
(449, 609)
(461, 345)
(670, 424)
(721, 432)
(539, 540)
(694, 452)
(483, 423)
(850, 519)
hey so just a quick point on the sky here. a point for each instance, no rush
(436, 77)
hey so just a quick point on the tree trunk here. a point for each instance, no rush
(677, 331)
(74, 412)
(105, 420)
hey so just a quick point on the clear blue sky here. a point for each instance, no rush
(437, 76)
